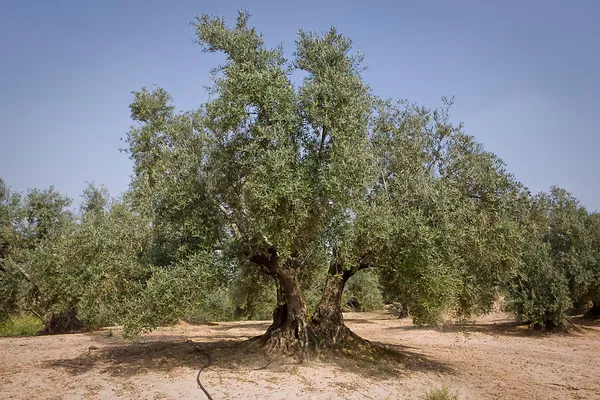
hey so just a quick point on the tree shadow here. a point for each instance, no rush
(586, 325)
(585, 321)
(236, 325)
(502, 328)
(165, 353)
(200, 323)
(358, 321)
(384, 361)
(508, 328)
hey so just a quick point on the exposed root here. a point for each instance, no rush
(320, 341)
(281, 342)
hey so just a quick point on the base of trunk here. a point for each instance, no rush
(286, 340)
(403, 312)
(330, 339)
(552, 326)
(56, 323)
(593, 312)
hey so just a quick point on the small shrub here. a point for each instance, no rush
(442, 393)
(20, 326)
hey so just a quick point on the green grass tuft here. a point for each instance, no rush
(442, 393)
(22, 325)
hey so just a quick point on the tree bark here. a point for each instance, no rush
(328, 315)
(65, 322)
(288, 333)
(327, 323)
(292, 331)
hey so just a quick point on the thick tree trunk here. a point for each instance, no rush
(404, 311)
(288, 333)
(327, 323)
(66, 322)
(292, 331)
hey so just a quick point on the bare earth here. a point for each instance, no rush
(490, 359)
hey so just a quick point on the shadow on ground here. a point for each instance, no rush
(223, 326)
(385, 361)
(166, 353)
(581, 321)
(505, 328)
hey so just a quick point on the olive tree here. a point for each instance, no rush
(592, 294)
(316, 181)
(456, 229)
(558, 265)
(9, 243)
(30, 224)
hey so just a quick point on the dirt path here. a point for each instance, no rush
(493, 359)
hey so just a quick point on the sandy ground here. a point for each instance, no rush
(490, 359)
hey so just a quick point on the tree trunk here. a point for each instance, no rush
(327, 323)
(291, 331)
(66, 322)
(404, 311)
(288, 332)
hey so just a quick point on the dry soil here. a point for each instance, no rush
(493, 358)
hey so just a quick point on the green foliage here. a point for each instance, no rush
(95, 200)
(363, 292)
(455, 216)
(442, 393)
(9, 292)
(20, 325)
(252, 295)
(194, 288)
(30, 225)
(593, 289)
(9, 242)
(558, 261)
(44, 216)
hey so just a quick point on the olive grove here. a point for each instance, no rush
(281, 193)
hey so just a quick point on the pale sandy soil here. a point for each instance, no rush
(491, 359)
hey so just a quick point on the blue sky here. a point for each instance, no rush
(524, 75)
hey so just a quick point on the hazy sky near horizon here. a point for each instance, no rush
(524, 75)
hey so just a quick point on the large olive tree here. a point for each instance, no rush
(319, 180)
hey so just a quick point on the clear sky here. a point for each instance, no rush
(524, 75)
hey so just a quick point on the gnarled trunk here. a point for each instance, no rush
(288, 332)
(327, 323)
(292, 331)
(65, 322)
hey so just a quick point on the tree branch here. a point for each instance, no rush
(385, 187)
(234, 226)
(26, 275)
(323, 135)
(268, 262)
(31, 310)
